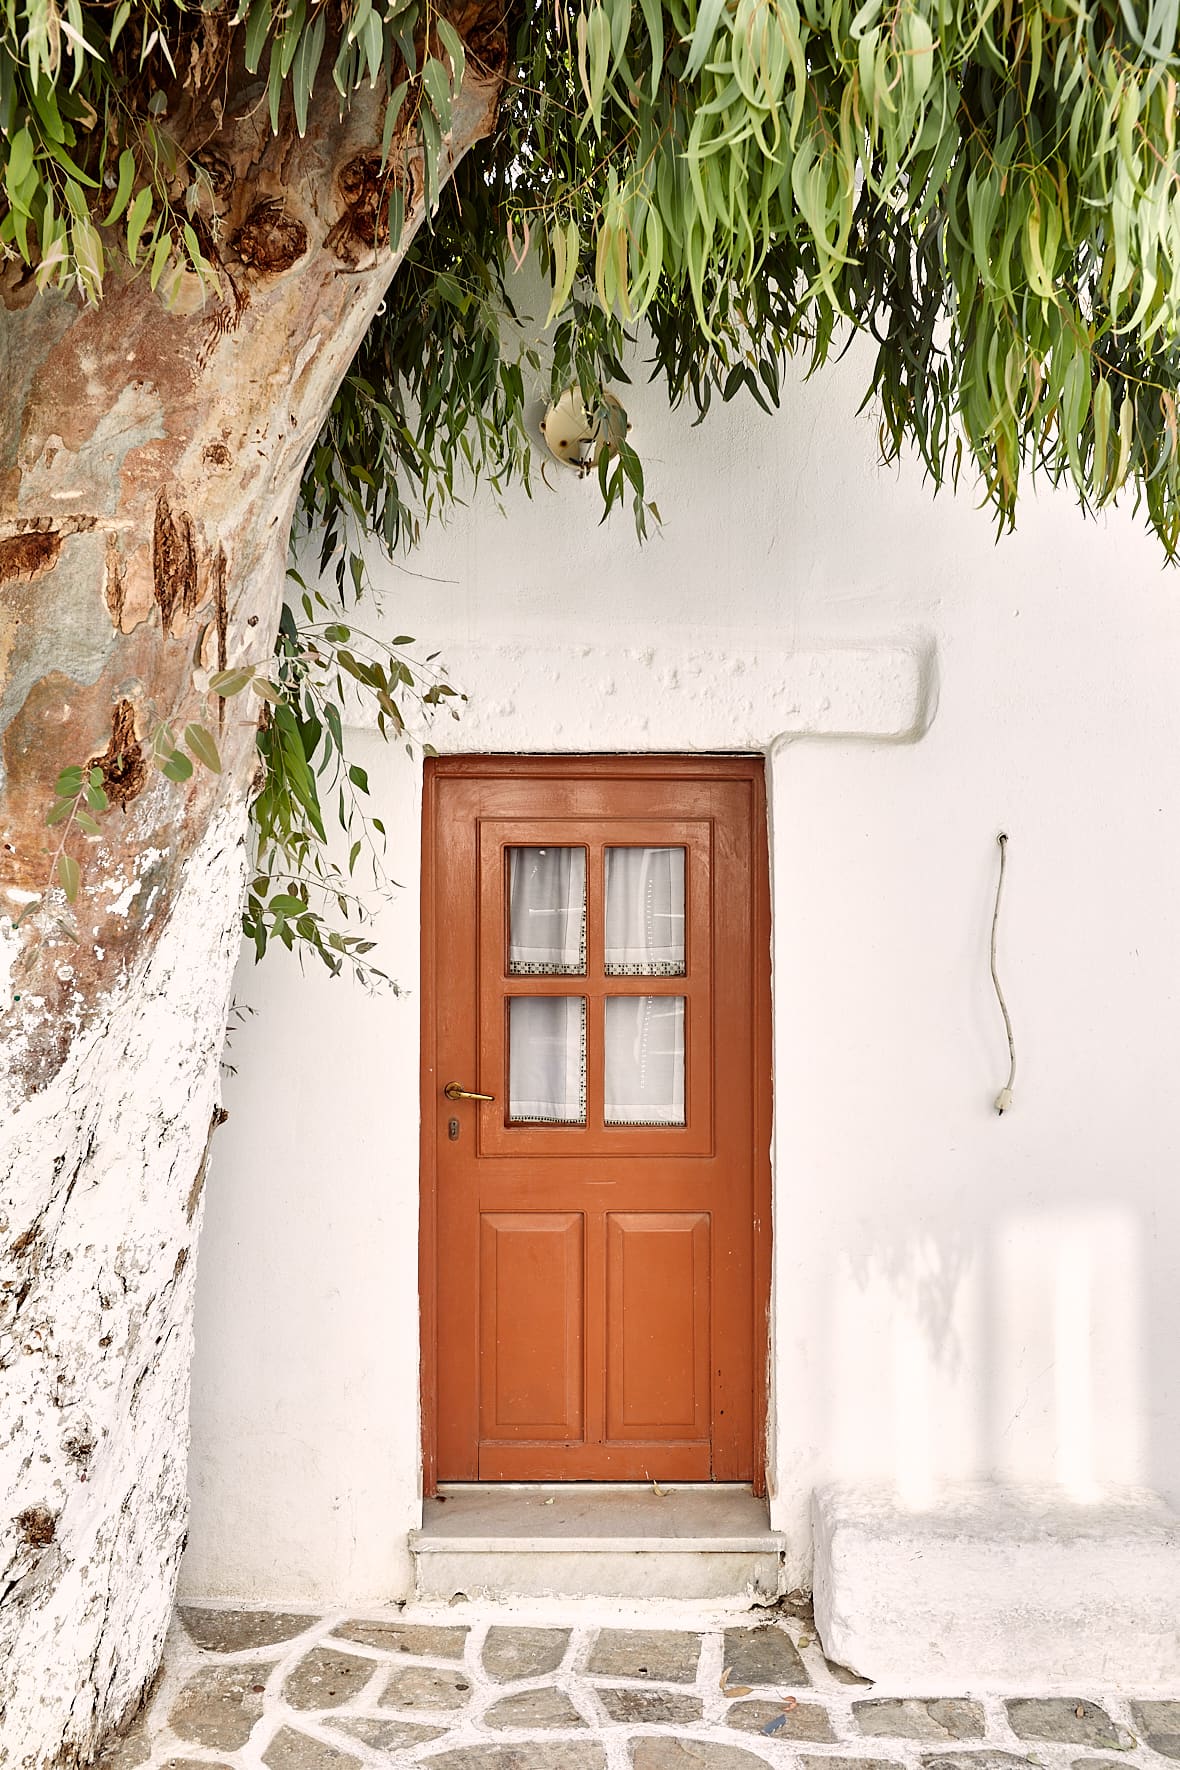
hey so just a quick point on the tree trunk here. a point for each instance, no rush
(149, 465)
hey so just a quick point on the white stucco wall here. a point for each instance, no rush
(954, 1294)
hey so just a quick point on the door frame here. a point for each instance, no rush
(541, 767)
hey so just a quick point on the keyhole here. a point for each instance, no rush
(453, 1130)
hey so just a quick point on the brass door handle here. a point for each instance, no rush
(454, 1091)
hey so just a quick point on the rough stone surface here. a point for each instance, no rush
(985, 1760)
(845, 1674)
(799, 1606)
(523, 1653)
(1159, 1724)
(219, 1705)
(546, 1707)
(807, 1722)
(809, 1763)
(1099, 1764)
(691, 1754)
(290, 1750)
(325, 1678)
(574, 1754)
(426, 1687)
(655, 1708)
(240, 1631)
(670, 1655)
(942, 1718)
(384, 1733)
(765, 1655)
(132, 1748)
(613, 1698)
(424, 1640)
(1062, 1720)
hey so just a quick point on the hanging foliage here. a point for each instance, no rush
(989, 189)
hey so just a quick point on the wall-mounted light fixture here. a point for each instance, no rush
(577, 438)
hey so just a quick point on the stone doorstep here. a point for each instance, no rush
(995, 1588)
(677, 1575)
(619, 1517)
(688, 1543)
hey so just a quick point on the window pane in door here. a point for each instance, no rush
(546, 912)
(547, 1060)
(644, 1082)
(644, 912)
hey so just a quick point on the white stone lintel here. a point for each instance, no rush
(999, 1588)
(702, 691)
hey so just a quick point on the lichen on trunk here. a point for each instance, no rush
(149, 464)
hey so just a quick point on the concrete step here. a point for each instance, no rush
(999, 1587)
(597, 1540)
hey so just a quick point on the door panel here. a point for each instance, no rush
(531, 1296)
(595, 964)
(657, 1325)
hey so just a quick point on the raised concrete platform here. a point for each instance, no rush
(999, 1588)
(575, 1540)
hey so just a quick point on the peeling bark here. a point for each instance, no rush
(25, 557)
(149, 465)
(122, 764)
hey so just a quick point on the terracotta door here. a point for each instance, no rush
(596, 962)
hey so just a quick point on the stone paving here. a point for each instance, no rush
(481, 1690)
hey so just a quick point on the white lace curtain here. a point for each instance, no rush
(546, 911)
(643, 937)
(645, 912)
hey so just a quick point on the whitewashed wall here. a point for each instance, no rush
(955, 1294)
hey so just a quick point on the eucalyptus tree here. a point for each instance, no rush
(254, 263)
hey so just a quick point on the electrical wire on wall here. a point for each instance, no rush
(1003, 1101)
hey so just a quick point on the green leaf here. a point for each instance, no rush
(257, 29)
(653, 18)
(705, 29)
(160, 257)
(177, 766)
(453, 44)
(598, 54)
(304, 67)
(230, 682)
(69, 876)
(20, 161)
(122, 189)
(438, 90)
(202, 745)
(137, 220)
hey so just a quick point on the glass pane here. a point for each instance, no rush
(644, 912)
(547, 1060)
(546, 912)
(644, 1060)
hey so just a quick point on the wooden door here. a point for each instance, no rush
(595, 1234)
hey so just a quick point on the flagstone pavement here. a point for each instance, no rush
(478, 1689)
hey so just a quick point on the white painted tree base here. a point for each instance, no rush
(100, 1205)
(999, 1588)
